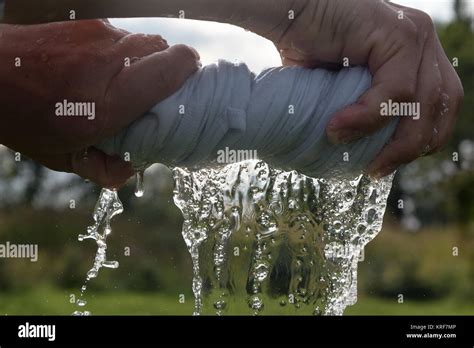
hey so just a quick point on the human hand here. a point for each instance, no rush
(401, 49)
(82, 62)
(407, 62)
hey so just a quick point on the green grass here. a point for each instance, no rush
(46, 301)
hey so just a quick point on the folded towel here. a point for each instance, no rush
(280, 115)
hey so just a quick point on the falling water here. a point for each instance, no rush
(106, 208)
(139, 184)
(262, 238)
(265, 238)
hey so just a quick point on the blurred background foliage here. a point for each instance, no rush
(425, 251)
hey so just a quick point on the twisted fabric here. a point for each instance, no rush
(280, 114)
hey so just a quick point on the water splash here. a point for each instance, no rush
(259, 236)
(106, 208)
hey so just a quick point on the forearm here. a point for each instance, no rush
(260, 16)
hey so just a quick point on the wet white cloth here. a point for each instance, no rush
(281, 114)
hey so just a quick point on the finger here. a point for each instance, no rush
(106, 171)
(301, 63)
(395, 80)
(408, 144)
(139, 45)
(111, 26)
(87, 30)
(413, 137)
(291, 57)
(150, 80)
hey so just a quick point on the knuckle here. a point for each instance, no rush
(130, 41)
(130, 38)
(186, 52)
(418, 25)
(423, 20)
(410, 32)
(93, 27)
(155, 42)
(97, 25)
(140, 44)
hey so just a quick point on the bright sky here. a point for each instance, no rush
(215, 40)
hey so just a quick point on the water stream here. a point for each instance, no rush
(264, 240)
(261, 237)
(106, 208)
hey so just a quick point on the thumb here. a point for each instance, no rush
(150, 80)
(105, 171)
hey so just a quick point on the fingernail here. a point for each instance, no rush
(196, 53)
(344, 136)
(198, 57)
(380, 173)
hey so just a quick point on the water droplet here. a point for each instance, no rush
(139, 184)
(81, 302)
(256, 303)
(261, 272)
(361, 228)
(107, 230)
(92, 274)
(348, 196)
(110, 264)
(220, 305)
(371, 216)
